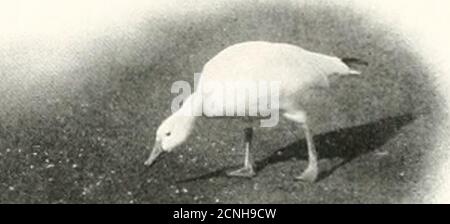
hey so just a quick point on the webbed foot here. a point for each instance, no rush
(247, 172)
(309, 175)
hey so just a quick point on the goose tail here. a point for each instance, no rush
(354, 72)
(353, 61)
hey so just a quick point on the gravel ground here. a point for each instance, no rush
(87, 142)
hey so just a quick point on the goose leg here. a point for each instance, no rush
(311, 172)
(247, 170)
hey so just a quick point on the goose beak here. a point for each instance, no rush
(156, 152)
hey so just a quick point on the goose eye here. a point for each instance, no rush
(168, 133)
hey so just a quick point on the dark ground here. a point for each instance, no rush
(88, 144)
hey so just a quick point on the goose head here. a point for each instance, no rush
(171, 133)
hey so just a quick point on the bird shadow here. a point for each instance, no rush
(345, 144)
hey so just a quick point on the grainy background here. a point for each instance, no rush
(78, 118)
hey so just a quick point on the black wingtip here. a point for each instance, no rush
(348, 61)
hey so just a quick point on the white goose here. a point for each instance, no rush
(296, 69)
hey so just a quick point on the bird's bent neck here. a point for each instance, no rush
(191, 109)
